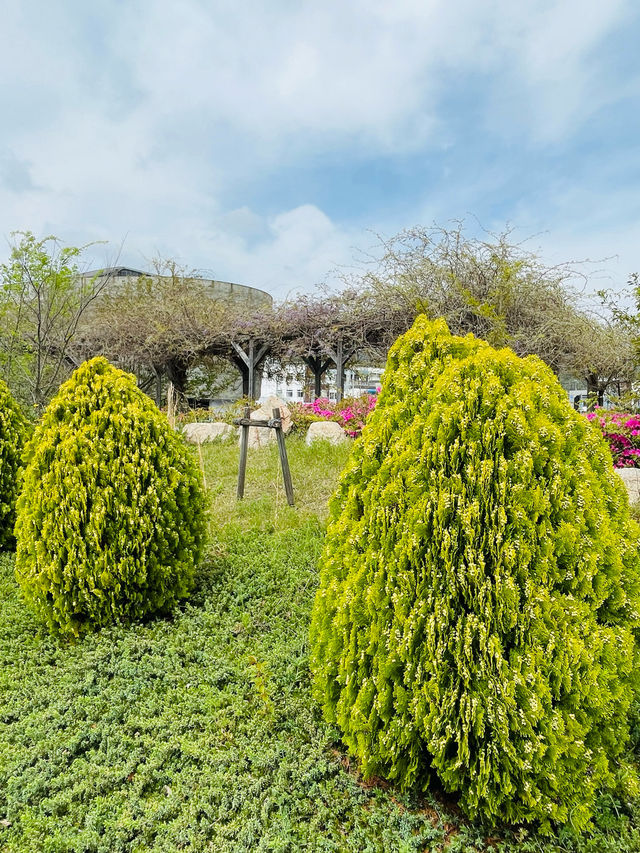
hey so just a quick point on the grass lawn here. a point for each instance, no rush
(198, 732)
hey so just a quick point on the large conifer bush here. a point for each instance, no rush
(13, 430)
(479, 588)
(110, 521)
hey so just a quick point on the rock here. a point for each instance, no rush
(266, 411)
(326, 431)
(261, 436)
(631, 479)
(199, 433)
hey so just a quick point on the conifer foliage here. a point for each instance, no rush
(12, 435)
(479, 587)
(110, 522)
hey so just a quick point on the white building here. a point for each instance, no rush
(292, 386)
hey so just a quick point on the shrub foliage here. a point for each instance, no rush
(12, 435)
(479, 587)
(110, 522)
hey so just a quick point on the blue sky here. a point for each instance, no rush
(267, 143)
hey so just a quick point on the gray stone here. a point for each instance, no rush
(202, 432)
(631, 479)
(261, 436)
(326, 431)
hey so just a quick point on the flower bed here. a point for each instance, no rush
(350, 413)
(622, 432)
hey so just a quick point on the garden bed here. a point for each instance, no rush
(199, 732)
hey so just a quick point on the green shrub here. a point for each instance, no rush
(13, 430)
(302, 416)
(110, 522)
(479, 587)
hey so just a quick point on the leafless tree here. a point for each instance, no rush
(494, 288)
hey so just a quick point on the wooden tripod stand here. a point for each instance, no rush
(275, 422)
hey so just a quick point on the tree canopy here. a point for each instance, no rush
(42, 300)
(167, 321)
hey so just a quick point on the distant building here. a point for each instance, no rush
(578, 395)
(113, 272)
(252, 297)
(292, 387)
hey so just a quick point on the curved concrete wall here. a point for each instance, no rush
(252, 296)
(239, 292)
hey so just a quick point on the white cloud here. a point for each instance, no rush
(142, 123)
(566, 81)
(282, 254)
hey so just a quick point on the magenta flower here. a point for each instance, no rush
(622, 433)
(350, 413)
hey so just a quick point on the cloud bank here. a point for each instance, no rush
(261, 141)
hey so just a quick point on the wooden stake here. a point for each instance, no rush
(286, 473)
(275, 422)
(244, 447)
(204, 476)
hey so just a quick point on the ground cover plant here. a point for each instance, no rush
(13, 431)
(198, 732)
(110, 521)
(480, 587)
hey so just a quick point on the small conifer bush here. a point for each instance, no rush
(110, 522)
(13, 430)
(479, 587)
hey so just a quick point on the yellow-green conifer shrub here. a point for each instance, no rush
(479, 587)
(110, 522)
(13, 430)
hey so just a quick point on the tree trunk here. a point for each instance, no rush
(595, 387)
(177, 373)
(158, 384)
(318, 368)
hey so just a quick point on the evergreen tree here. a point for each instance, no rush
(13, 430)
(110, 521)
(479, 587)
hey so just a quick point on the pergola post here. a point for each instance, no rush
(318, 367)
(248, 361)
(340, 359)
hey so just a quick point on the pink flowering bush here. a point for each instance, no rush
(350, 413)
(622, 433)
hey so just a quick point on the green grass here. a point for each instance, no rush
(198, 732)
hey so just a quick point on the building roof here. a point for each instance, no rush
(113, 271)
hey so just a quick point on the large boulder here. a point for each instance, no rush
(631, 479)
(261, 436)
(199, 433)
(326, 431)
